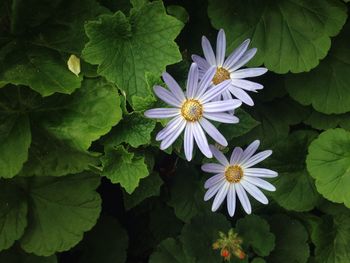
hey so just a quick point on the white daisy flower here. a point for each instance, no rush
(236, 177)
(192, 110)
(229, 68)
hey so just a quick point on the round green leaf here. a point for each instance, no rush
(322, 121)
(255, 232)
(328, 162)
(125, 48)
(170, 251)
(291, 241)
(295, 187)
(42, 69)
(291, 35)
(61, 209)
(17, 255)
(15, 139)
(332, 239)
(84, 116)
(327, 87)
(13, 214)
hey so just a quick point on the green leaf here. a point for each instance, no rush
(61, 210)
(106, 242)
(13, 212)
(65, 29)
(51, 157)
(150, 186)
(126, 47)
(84, 116)
(179, 12)
(199, 235)
(332, 239)
(275, 119)
(123, 167)
(15, 139)
(255, 232)
(327, 87)
(246, 123)
(22, 18)
(17, 255)
(134, 129)
(291, 35)
(43, 69)
(186, 193)
(258, 260)
(295, 187)
(291, 241)
(322, 121)
(170, 251)
(328, 162)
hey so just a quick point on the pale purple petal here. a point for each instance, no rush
(248, 55)
(162, 113)
(236, 54)
(215, 91)
(247, 84)
(173, 136)
(169, 128)
(213, 190)
(208, 51)
(254, 192)
(205, 82)
(220, 196)
(213, 168)
(219, 155)
(241, 95)
(214, 180)
(213, 132)
(201, 62)
(260, 183)
(167, 96)
(257, 158)
(231, 200)
(201, 140)
(192, 81)
(260, 172)
(220, 48)
(249, 151)
(221, 117)
(173, 86)
(222, 106)
(236, 155)
(188, 141)
(243, 198)
(248, 73)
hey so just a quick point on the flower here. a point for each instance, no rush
(238, 177)
(229, 68)
(192, 110)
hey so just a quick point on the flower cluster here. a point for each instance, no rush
(215, 88)
(229, 245)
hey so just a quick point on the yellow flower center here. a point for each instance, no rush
(221, 75)
(234, 173)
(192, 110)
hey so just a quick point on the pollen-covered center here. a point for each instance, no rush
(192, 110)
(221, 75)
(234, 173)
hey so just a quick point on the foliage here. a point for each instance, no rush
(82, 178)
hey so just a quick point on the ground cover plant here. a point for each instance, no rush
(174, 131)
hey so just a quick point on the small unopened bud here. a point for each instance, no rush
(239, 253)
(225, 254)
